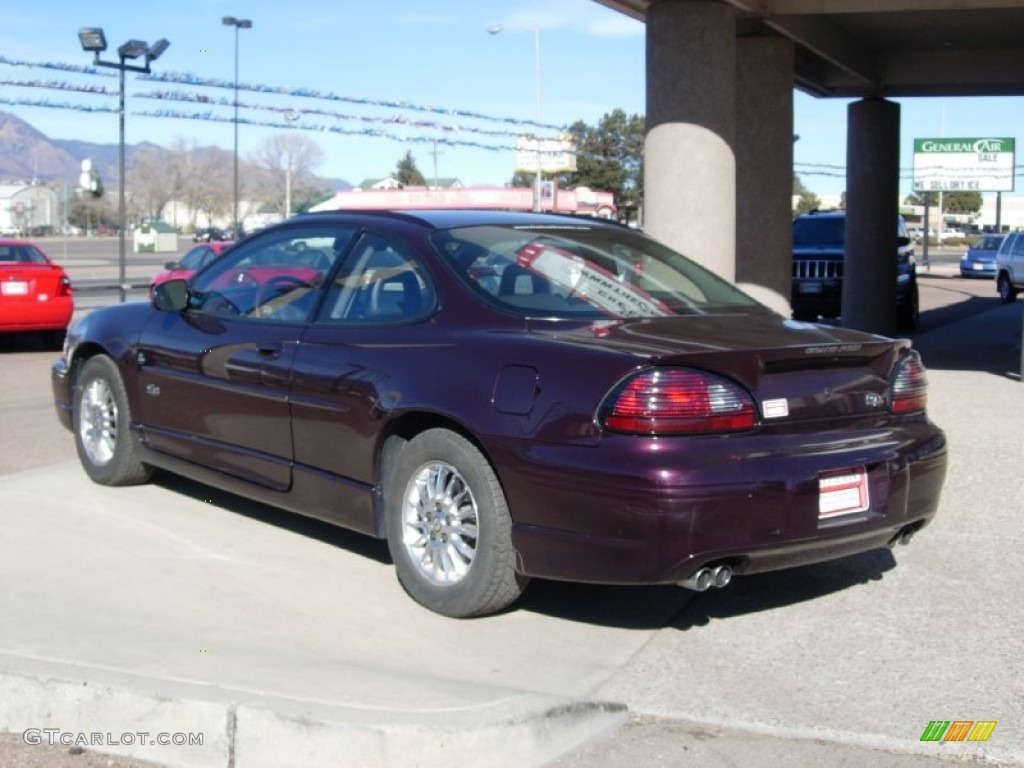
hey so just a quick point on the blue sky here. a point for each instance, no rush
(423, 53)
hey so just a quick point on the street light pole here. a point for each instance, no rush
(538, 115)
(291, 117)
(238, 24)
(92, 39)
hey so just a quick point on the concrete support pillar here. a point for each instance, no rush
(690, 168)
(872, 210)
(764, 168)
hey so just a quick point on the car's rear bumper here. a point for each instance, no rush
(60, 383)
(751, 503)
(26, 316)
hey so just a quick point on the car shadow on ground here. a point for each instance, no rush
(668, 606)
(333, 535)
(623, 607)
(11, 343)
(978, 334)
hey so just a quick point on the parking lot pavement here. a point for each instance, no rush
(175, 608)
(867, 651)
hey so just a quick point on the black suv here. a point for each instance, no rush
(818, 252)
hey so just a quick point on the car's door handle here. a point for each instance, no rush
(272, 351)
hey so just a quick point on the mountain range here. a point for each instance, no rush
(27, 154)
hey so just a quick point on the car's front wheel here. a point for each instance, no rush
(106, 447)
(1007, 293)
(448, 527)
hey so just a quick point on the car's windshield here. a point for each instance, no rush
(988, 243)
(584, 271)
(195, 258)
(819, 231)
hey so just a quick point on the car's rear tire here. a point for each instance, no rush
(1007, 293)
(448, 527)
(908, 313)
(108, 450)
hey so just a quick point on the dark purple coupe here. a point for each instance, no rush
(504, 396)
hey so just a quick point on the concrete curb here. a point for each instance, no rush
(126, 715)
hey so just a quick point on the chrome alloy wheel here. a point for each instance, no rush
(97, 422)
(440, 523)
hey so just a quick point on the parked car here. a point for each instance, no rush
(209, 235)
(980, 259)
(190, 263)
(1010, 267)
(35, 293)
(604, 410)
(819, 251)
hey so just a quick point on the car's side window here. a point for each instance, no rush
(380, 282)
(276, 278)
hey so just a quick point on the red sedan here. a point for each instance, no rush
(35, 293)
(190, 263)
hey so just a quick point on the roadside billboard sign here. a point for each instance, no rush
(557, 154)
(964, 165)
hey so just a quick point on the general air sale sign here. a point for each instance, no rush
(959, 165)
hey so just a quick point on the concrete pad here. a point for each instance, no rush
(177, 584)
(868, 650)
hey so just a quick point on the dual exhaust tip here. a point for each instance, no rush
(710, 576)
(719, 576)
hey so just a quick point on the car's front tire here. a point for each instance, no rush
(109, 452)
(448, 527)
(1007, 293)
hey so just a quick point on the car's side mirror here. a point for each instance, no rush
(172, 265)
(170, 296)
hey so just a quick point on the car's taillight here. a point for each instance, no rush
(909, 390)
(676, 401)
(64, 286)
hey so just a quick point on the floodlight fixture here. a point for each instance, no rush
(157, 49)
(92, 39)
(132, 49)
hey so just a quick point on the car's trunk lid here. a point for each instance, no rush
(29, 282)
(795, 371)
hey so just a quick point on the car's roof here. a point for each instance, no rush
(449, 219)
(822, 215)
(15, 241)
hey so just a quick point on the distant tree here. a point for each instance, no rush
(919, 199)
(952, 202)
(276, 156)
(808, 200)
(407, 173)
(609, 158)
(306, 197)
(152, 181)
(205, 177)
(962, 202)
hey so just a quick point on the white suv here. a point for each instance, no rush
(1010, 267)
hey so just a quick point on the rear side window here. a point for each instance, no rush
(581, 271)
(380, 282)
